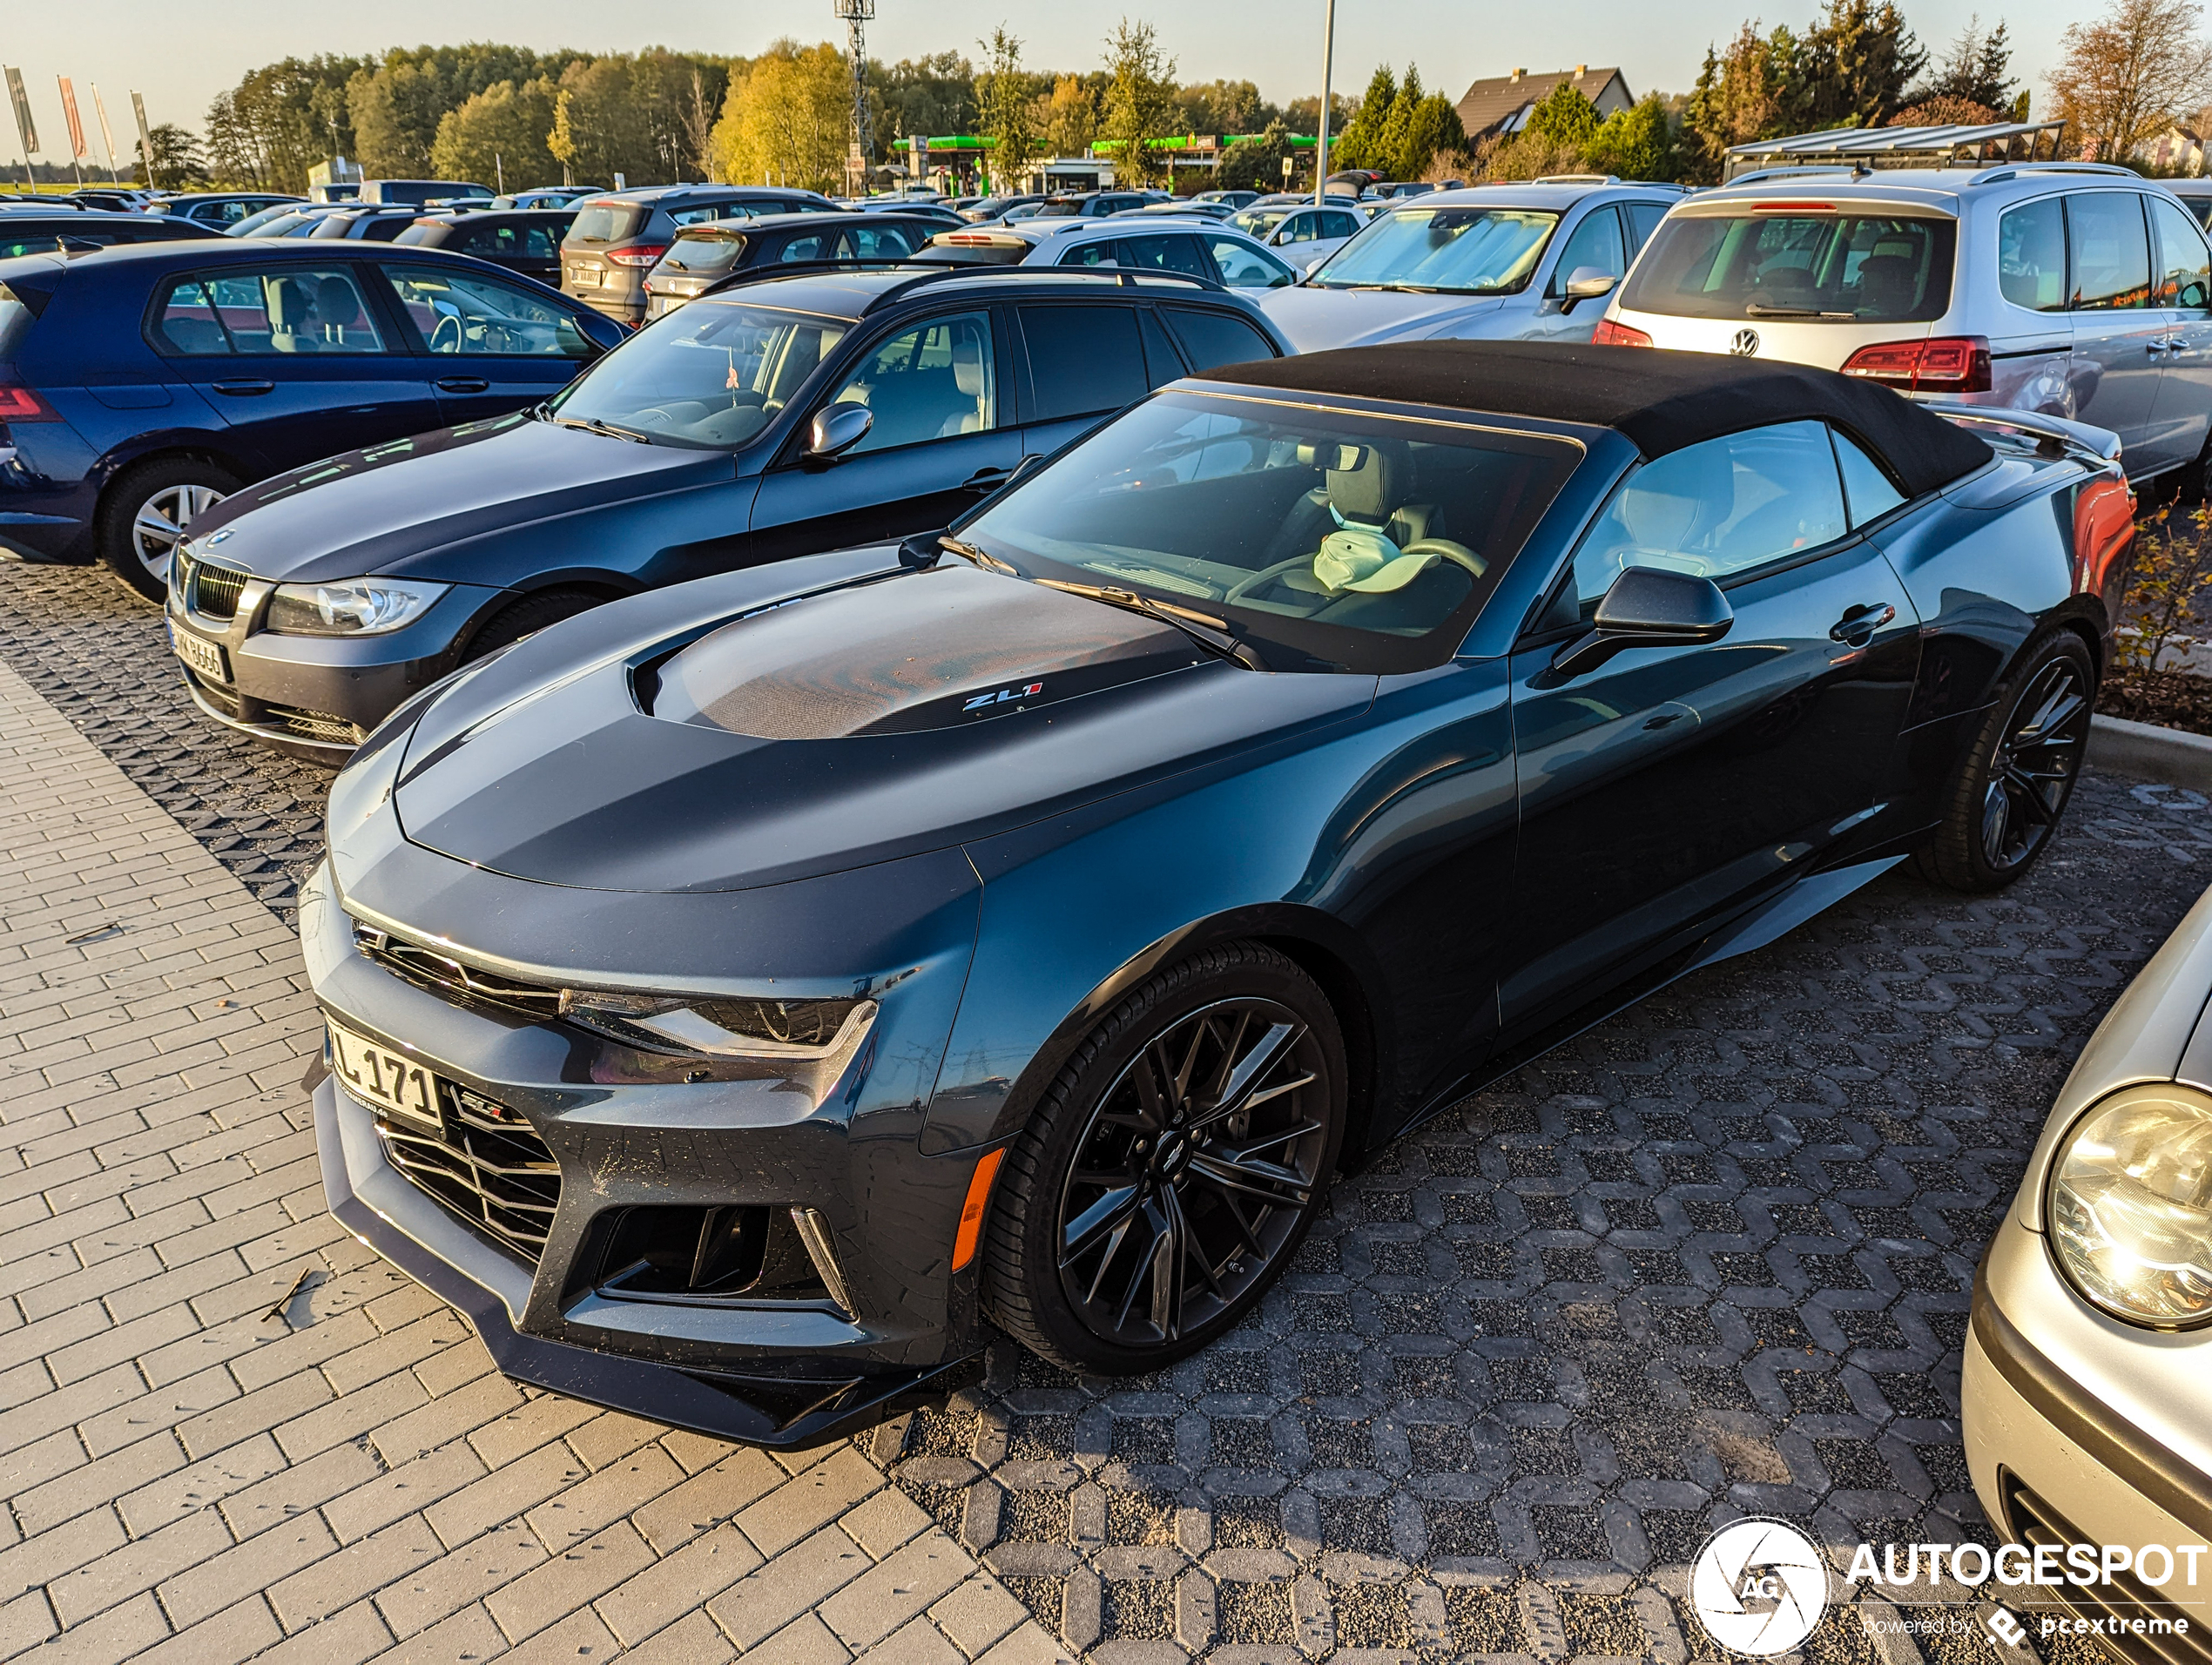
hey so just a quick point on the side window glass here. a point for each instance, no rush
(1718, 510)
(881, 243)
(190, 322)
(2031, 256)
(1082, 358)
(542, 242)
(1212, 339)
(1339, 225)
(1163, 364)
(1299, 228)
(815, 247)
(1243, 267)
(1596, 241)
(712, 210)
(2184, 271)
(936, 381)
(1866, 489)
(462, 313)
(1099, 254)
(296, 312)
(1165, 254)
(1644, 219)
(2109, 250)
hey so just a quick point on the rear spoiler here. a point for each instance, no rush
(2056, 434)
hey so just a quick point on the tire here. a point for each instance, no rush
(2191, 484)
(2002, 807)
(143, 512)
(526, 617)
(1111, 1309)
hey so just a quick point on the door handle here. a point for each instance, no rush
(987, 479)
(463, 384)
(1856, 627)
(240, 389)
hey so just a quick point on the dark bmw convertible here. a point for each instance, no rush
(741, 992)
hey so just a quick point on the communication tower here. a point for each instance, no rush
(858, 13)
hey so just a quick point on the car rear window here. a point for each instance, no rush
(715, 251)
(1802, 262)
(606, 222)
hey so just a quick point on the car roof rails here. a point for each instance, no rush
(2014, 170)
(1850, 169)
(798, 269)
(1576, 178)
(919, 273)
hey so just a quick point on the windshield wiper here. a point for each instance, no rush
(600, 425)
(1199, 627)
(1768, 309)
(970, 552)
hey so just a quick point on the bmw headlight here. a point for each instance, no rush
(794, 1030)
(2131, 1206)
(351, 606)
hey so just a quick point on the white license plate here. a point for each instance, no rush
(202, 656)
(584, 277)
(390, 1081)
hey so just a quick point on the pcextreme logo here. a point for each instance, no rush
(1759, 1587)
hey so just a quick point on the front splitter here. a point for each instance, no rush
(782, 1413)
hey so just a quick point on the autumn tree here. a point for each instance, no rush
(788, 119)
(1067, 118)
(1003, 101)
(499, 137)
(1139, 103)
(2123, 76)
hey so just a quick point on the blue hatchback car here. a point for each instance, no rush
(139, 386)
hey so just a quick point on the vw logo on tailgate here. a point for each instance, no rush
(1745, 344)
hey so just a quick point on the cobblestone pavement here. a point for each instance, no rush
(228, 1430)
(1712, 1257)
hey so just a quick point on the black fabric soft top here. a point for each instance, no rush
(1662, 400)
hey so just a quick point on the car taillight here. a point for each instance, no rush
(1946, 364)
(19, 404)
(1609, 333)
(638, 253)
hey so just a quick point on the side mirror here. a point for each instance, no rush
(1587, 283)
(1647, 608)
(837, 430)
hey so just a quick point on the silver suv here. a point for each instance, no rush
(2075, 289)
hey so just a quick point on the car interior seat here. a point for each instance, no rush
(972, 384)
(1885, 280)
(339, 309)
(290, 316)
(1371, 492)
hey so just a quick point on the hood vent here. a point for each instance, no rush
(931, 650)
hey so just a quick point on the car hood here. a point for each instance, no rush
(1317, 318)
(366, 511)
(891, 713)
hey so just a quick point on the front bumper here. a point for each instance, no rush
(371, 1200)
(322, 694)
(607, 1136)
(2054, 1458)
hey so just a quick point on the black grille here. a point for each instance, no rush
(316, 725)
(420, 965)
(214, 590)
(486, 1163)
(2035, 1523)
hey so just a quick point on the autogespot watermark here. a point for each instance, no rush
(1760, 1588)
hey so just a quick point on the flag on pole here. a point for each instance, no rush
(107, 133)
(71, 119)
(26, 129)
(145, 137)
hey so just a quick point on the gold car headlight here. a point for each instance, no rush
(2130, 1206)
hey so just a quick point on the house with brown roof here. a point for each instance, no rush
(1498, 106)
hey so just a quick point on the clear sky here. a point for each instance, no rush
(182, 56)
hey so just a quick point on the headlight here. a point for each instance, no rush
(734, 1029)
(350, 607)
(2131, 1206)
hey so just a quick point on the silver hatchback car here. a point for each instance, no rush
(1531, 262)
(2070, 288)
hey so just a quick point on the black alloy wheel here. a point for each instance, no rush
(2004, 807)
(1174, 1167)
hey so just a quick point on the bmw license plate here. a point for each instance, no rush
(385, 1080)
(201, 655)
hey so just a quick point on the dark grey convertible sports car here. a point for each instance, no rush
(738, 992)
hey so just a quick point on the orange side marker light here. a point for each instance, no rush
(971, 1211)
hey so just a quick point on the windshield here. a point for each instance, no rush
(1806, 262)
(1460, 250)
(707, 378)
(1328, 540)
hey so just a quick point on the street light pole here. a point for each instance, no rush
(1321, 144)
